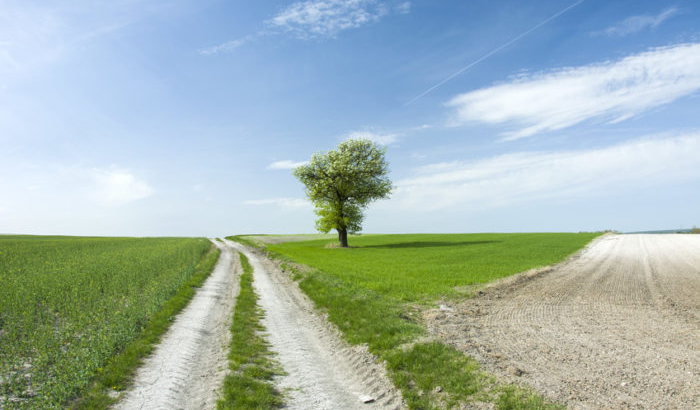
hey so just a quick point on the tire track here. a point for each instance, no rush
(615, 328)
(187, 368)
(323, 371)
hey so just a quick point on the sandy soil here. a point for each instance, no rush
(324, 372)
(188, 366)
(617, 327)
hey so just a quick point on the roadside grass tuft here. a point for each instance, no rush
(249, 385)
(517, 398)
(433, 375)
(117, 373)
(371, 292)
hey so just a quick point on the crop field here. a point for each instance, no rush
(67, 304)
(429, 266)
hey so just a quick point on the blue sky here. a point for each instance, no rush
(167, 117)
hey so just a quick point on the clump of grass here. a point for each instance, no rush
(249, 385)
(368, 292)
(517, 398)
(432, 375)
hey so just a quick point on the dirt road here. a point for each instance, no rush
(617, 327)
(323, 372)
(188, 366)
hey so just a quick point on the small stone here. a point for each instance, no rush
(515, 371)
(623, 384)
(366, 399)
(437, 389)
(446, 308)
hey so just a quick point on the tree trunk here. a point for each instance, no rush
(343, 237)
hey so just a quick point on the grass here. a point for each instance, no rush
(413, 268)
(249, 385)
(68, 305)
(371, 292)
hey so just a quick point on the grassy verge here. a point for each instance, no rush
(120, 368)
(249, 385)
(371, 292)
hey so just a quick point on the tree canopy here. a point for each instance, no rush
(342, 182)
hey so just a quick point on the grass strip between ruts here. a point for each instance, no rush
(430, 375)
(117, 374)
(249, 385)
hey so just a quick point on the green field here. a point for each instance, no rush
(373, 292)
(430, 266)
(67, 304)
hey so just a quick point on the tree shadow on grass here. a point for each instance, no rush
(426, 244)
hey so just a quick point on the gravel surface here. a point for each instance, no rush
(616, 327)
(323, 371)
(187, 368)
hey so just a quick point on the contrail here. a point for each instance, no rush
(494, 51)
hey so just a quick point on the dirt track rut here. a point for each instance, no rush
(617, 327)
(187, 368)
(323, 371)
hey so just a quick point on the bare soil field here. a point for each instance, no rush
(323, 371)
(187, 368)
(615, 327)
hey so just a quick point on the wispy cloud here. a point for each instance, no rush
(227, 46)
(284, 202)
(527, 176)
(116, 187)
(638, 23)
(378, 137)
(327, 18)
(314, 19)
(404, 8)
(286, 164)
(610, 91)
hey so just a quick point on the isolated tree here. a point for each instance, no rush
(342, 182)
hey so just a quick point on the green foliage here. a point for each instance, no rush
(68, 304)
(249, 385)
(695, 230)
(370, 291)
(342, 182)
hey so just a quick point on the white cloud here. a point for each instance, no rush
(283, 202)
(326, 18)
(117, 187)
(526, 176)
(227, 46)
(317, 19)
(379, 138)
(404, 8)
(637, 23)
(286, 164)
(610, 91)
